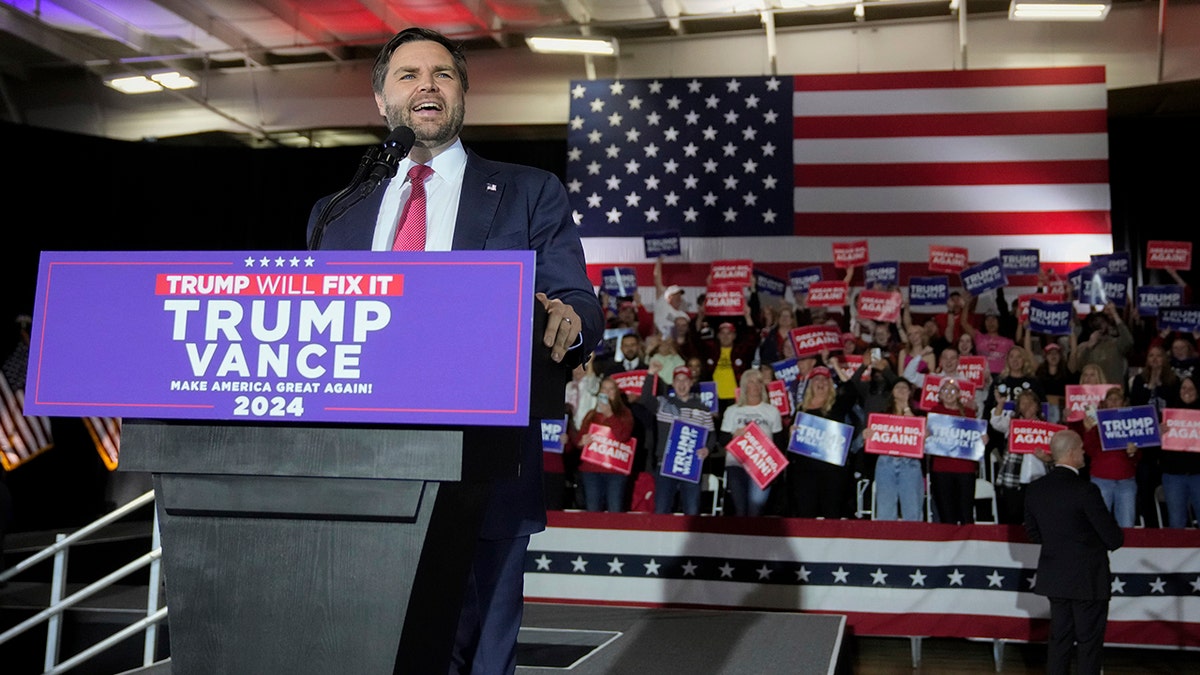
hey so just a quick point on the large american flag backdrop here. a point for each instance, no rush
(777, 168)
(888, 578)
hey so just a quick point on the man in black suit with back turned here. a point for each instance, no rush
(1065, 513)
(419, 80)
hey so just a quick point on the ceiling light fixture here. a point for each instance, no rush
(140, 84)
(1058, 11)
(568, 44)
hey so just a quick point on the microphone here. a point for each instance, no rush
(395, 148)
(382, 162)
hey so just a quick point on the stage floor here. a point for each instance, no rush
(591, 640)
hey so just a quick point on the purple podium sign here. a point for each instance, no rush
(284, 336)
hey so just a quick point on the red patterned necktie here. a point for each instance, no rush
(410, 233)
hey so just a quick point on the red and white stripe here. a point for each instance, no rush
(21, 437)
(990, 159)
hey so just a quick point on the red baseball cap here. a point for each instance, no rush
(681, 370)
(819, 371)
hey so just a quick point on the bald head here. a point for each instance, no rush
(1066, 447)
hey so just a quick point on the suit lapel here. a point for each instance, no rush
(476, 206)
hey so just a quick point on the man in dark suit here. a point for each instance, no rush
(420, 80)
(1065, 513)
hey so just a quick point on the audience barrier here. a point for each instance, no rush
(888, 578)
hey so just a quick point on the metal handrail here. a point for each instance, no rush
(58, 604)
(75, 536)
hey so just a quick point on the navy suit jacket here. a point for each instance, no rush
(506, 207)
(1065, 513)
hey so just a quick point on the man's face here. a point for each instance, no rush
(676, 300)
(725, 336)
(631, 348)
(422, 91)
(682, 384)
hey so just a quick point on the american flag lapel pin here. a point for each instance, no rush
(491, 187)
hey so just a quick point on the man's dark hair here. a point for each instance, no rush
(379, 72)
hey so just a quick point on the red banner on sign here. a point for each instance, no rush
(812, 340)
(758, 455)
(1181, 429)
(929, 392)
(880, 305)
(1025, 436)
(630, 382)
(608, 452)
(947, 258)
(899, 435)
(850, 254)
(735, 272)
(724, 300)
(828, 293)
(1169, 255)
(974, 368)
(777, 393)
(1079, 397)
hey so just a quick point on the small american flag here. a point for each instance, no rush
(21, 438)
(106, 434)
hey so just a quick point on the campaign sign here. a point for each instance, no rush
(283, 336)
(605, 451)
(1075, 278)
(769, 287)
(828, 293)
(680, 460)
(821, 439)
(1169, 255)
(1058, 287)
(812, 340)
(882, 274)
(725, 300)
(928, 292)
(777, 394)
(707, 391)
(1026, 436)
(1121, 426)
(758, 455)
(1186, 319)
(1112, 263)
(1181, 429)
(1024, 300)
(787, 370)
(933, 383)
(801, 279)
(1150, 298)
(898, 435)
(975, 369)
(1102, 288)
(947, 258)
(631, 382)
(847, 365)
(1015, 261)
(985, 276)
(955, 436)
(850, 254)
(1080, 397)
(659, 244)
(553, 432)
(620, 282)
(1051, 318)
(734, 272)
(879, 305)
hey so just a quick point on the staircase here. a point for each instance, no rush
(97, 561)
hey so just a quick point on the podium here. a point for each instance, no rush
(308, 543)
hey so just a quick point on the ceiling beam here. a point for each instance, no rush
(310, 30)
(219, 28)
(120, 29)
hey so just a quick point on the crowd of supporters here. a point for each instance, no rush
(679, 347)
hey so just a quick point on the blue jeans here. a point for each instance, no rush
(1120, 496)
(665, 490)
(898, 481)
(748, 499)
(603, 491)
(1180, 491)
